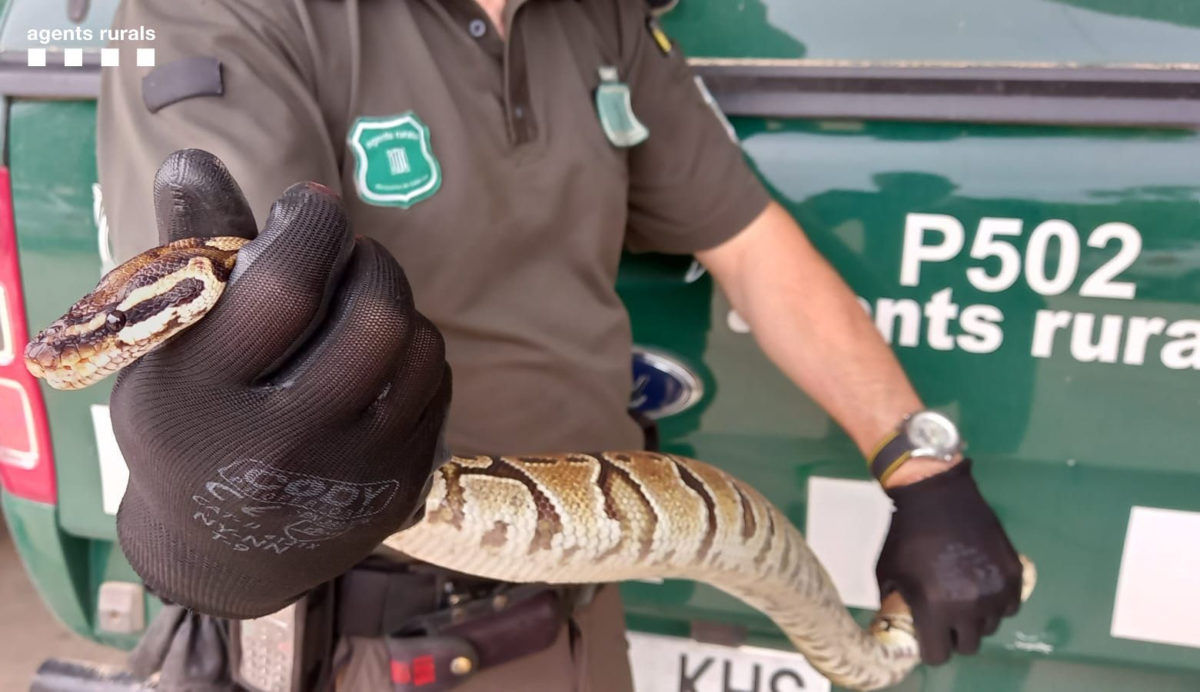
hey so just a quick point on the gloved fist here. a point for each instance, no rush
(950, 559)
(275, 443)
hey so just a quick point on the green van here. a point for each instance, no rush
(1013, 189)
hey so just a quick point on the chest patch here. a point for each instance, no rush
(394, 165)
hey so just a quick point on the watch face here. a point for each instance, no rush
(933, 431)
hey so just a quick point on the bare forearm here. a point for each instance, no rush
(809, 322)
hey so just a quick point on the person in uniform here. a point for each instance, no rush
(506, 154)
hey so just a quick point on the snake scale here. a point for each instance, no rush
(564, 518)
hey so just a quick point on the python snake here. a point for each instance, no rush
(564, 518)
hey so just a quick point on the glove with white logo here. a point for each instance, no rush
(275, 443)
(950, 559)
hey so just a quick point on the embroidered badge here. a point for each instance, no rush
(394, 165)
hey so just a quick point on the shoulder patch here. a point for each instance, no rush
(181, 79)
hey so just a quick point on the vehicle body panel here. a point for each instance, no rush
(1064, 449)
(1061, 32)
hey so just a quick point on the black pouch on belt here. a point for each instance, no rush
(441, 627)
(460, 641)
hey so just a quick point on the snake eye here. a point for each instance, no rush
(115, 321)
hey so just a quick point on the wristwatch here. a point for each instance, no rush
(924, 434)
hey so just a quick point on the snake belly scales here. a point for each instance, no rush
(563, 518)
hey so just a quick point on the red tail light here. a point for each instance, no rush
(26, 461)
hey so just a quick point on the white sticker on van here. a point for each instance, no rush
(675, 664)
(1156, 599)
(846, 524)
(114, 474)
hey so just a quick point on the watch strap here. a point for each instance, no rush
(890, 455)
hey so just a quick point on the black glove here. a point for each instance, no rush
(188, 650)
(275, 443)
(948, 556)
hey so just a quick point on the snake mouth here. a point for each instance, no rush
(40, 358)
(66, 367)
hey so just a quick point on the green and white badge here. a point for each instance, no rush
(615, 109)
(394, 165)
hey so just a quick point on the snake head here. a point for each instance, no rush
(135, 308)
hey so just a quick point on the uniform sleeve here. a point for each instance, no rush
(266, 125)
(690, 188)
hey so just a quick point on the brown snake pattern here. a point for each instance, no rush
(577, 518)
(563, 518)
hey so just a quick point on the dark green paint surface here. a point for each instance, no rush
(69, 550)
(67, 570)
(1064, 448)
(53, 163)
(1084, 32)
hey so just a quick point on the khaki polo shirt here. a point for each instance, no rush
(479, 162)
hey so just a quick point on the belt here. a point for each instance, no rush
(442, 627)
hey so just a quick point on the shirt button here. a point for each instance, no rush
(477, 27)
(518, 112)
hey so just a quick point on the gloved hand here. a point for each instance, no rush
(948, 556)
(189, 651)
(272, 445)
